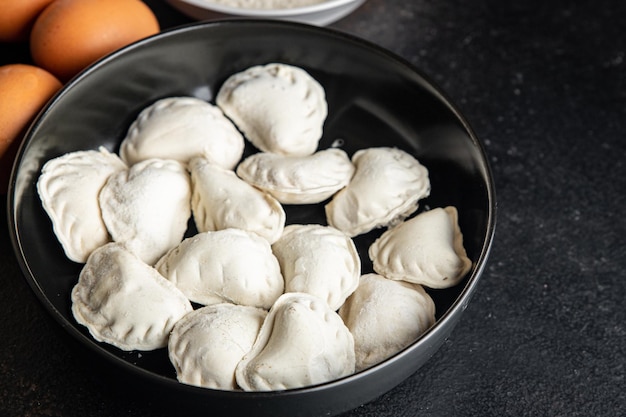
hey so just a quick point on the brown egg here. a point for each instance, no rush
(69, 35)
(24, 90)
(17, 18)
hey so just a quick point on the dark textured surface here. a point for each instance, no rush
(545, 87)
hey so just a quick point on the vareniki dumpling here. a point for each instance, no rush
(385, 316)
(278, 107)
(68, 188)
(298, 179)
(125, 302)
(301, 342)
(207, 344)
(318, 260)
(181, 128)
(427, 249)
(147, 207)
(229, 265)
(385, 189)
(222, 200)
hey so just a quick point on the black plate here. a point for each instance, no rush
(374, 99)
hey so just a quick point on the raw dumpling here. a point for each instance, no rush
(279, 108)
(180, 128)
(125, 302)
(298, 179)
(385, 316)
(384, 190)
(147, 207)
(427, 249)
(207, 344)
(222, 200)
(318, 260)
(301, 342)
(229, 265)
(68, 188)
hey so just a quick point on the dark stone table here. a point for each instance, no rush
(544, 85)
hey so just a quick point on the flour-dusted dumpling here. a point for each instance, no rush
(229, 265)
(301, 342)
(279, 108)
(68, 188)
(222, 200)
(384, 190)
(385, 316)
(298, 179)
(427, 249)
(180, 128)
(125, 302)
(207, 344)
(147, 207)
(318, 260)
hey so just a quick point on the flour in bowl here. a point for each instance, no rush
(267, 4)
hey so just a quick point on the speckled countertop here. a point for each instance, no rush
(545, 334)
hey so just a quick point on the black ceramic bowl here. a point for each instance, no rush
(374, 99)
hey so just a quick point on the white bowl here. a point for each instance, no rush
(320, 14)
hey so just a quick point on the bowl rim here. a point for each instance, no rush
(431, 335)
(268, 13)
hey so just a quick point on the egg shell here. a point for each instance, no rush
(69, 35)
(24, 90)
(17, 18)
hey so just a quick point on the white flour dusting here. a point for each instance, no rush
(267, 4)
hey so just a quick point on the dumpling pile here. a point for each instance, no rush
(186, 243)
